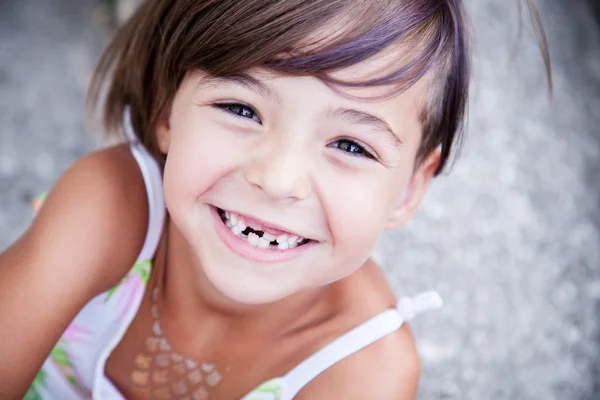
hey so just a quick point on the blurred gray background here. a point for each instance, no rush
(510, 238)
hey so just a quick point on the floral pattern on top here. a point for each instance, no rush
(131, 287)
(38, 383)
(269, 390)
(63, 358)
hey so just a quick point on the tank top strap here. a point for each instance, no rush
(356, 339)
(152, 175)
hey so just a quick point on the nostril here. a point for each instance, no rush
(252, 175)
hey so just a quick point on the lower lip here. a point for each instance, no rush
(246, 250)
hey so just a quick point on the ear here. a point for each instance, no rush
(414, 191)
(163, 133)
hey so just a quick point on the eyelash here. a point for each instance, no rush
(353, 148)
(348, 146)
(239, 110)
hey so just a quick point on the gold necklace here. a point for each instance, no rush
(162, 374)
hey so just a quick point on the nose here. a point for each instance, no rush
(281, 173)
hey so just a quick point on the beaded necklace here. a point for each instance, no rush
(160, 373)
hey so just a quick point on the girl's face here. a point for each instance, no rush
(279, 184)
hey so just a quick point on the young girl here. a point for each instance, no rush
(223, 252)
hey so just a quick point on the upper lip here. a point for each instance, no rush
(265, 224)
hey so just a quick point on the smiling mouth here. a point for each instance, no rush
(260, 236)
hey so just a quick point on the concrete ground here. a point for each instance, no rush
(510, 238)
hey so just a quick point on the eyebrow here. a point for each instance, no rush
(377, 124)
(349, 115)
(246, 81)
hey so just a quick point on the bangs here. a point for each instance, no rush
(417, 36)
(317, 38)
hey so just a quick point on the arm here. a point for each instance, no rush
(85, 238)
(388, 369)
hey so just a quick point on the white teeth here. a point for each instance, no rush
(282, 238)
(268, 237)
(241, 225)
(253, 239)
(261, 242)
(237, 225)
(236, 230)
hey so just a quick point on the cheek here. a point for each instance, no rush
(358, 211)
(197, 159)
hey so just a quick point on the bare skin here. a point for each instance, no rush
(101, 230)
(85, 238)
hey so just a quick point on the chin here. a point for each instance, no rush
(245, 288)
(249, 276)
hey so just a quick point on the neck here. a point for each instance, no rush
(187, 291)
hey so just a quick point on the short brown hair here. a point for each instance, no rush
(151, 54)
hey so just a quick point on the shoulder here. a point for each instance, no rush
(96, 215)
(388, 369)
